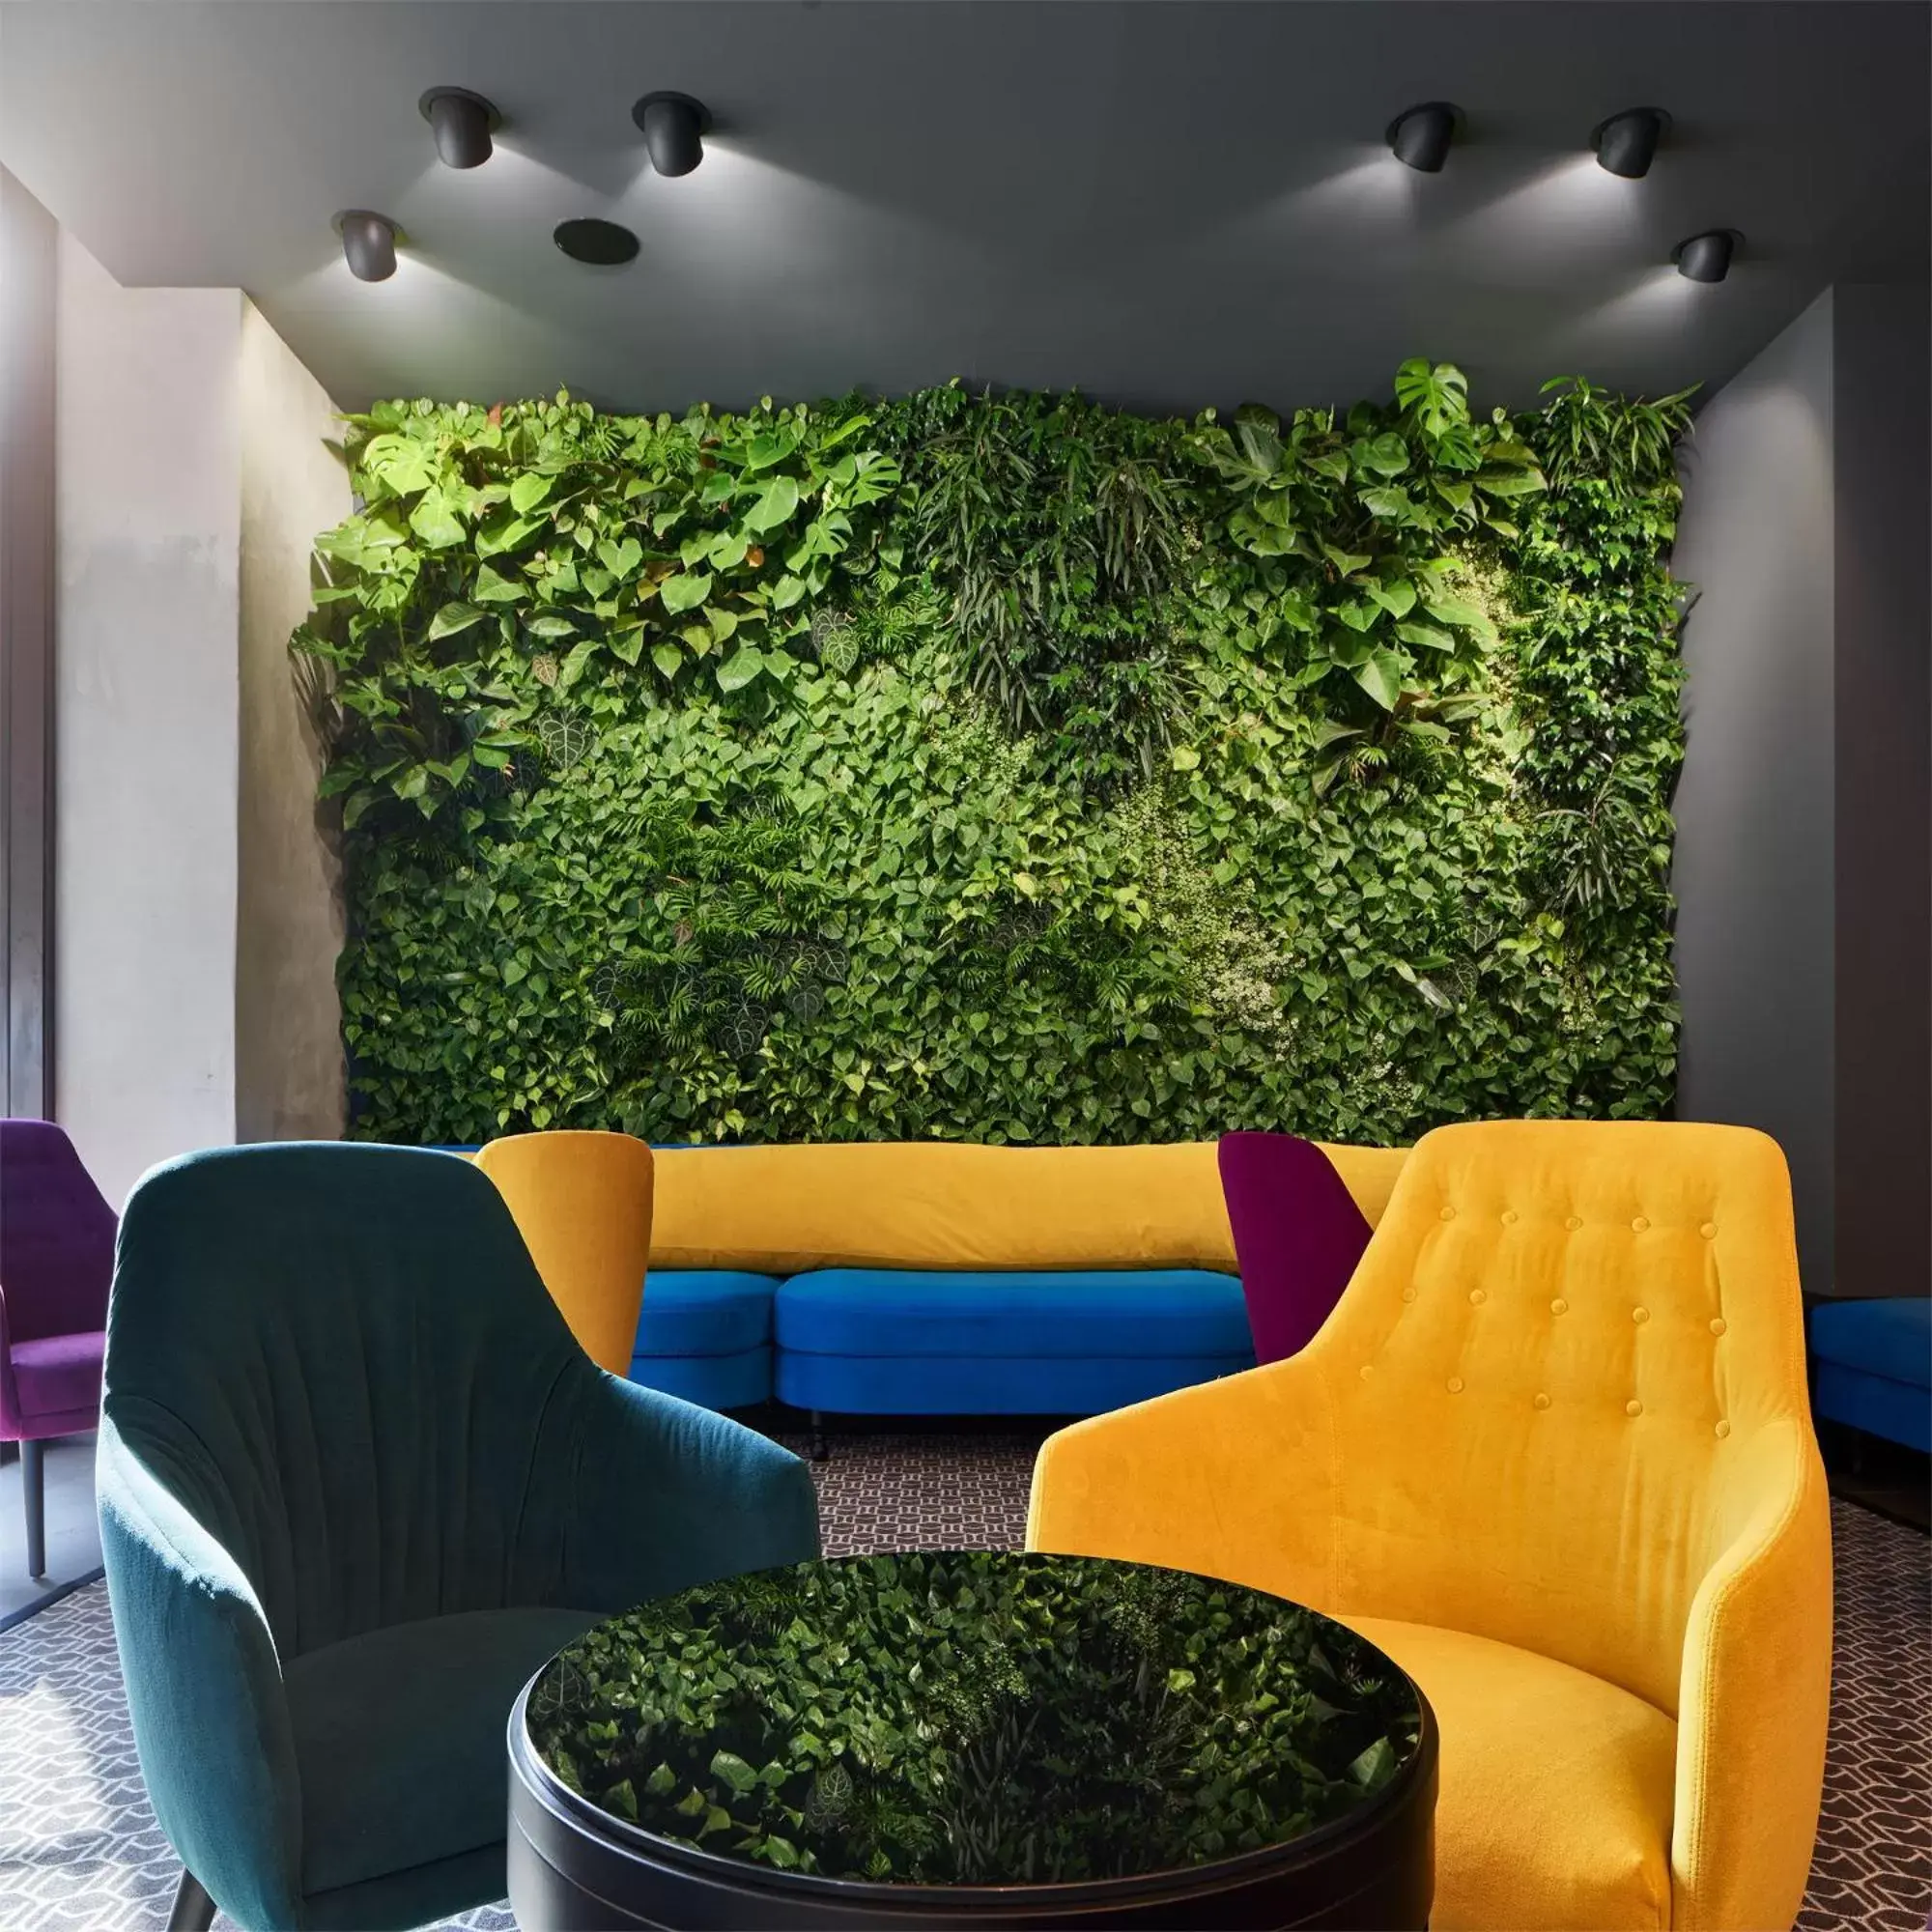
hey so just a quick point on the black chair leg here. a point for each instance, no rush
(33, 1492)
(194, 1909)
(821, 1450)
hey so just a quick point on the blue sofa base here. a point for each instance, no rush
(1873, 1367)
(989, 1384)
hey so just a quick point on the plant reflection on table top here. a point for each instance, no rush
(972, 1717)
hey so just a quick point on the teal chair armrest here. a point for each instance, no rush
(205, 1693)
(664, 1495)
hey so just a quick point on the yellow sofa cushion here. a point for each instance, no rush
(583, 1203)
(946, 1204)
(1555, 1800)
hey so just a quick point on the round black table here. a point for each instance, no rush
(971, 1738)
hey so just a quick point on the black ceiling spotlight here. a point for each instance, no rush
(1421, 136)
(462, 122)
(601, 244)
(368, 243)
(673, 125)
(1707, 257)
(1626, 144)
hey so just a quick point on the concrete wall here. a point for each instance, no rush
(1755, 808)
(198, 913)
(288, 1044)
(147, 448)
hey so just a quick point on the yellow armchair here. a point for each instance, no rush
(583, 1204)
(1552, 1452)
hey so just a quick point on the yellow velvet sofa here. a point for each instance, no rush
(1552, 1453)
(915, 1277)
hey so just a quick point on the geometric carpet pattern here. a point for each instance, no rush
(79, 1848)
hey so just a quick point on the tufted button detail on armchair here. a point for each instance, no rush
(1509, 1217)
(1479, 1295)
(1559, 1306)
(1448, 1213)
(1455, 1384)
(1718, 1325)
(1632, 1407)
(1409, 1293)
(1708, 1230)
(1542, 1399)
(1640, 1224)
(1640, 1315)
(1573, 1222)
(1723, 1430)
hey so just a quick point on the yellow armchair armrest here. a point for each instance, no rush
(1231, 1479)
(1756, 1688)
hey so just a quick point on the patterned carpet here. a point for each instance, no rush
(79, 1848)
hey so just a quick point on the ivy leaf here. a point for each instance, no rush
(668, 657)
(452, 618)
(620, 559)
(436, 522)
(548, 626)
(1393, 505)
(399, 462)
(1357, 615)
(1461, 613)
(575, 665)
(1346, 562)
(1504, 483)
(1386, 455)
(1457, 496)
(1184, 758)
(740, 669)
(733, 1769)
(726, 552)
(493, 588)
(503, 532)
(686, 591)
(1397, 598)
(530, 489)
(774, 506)
(1427, 635)
(1382, 677)
(628, 645)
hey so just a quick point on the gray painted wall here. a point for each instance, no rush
(1882, 434)
(1754, 869)
(1804, 871)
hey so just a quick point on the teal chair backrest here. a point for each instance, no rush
(343, 1362)
(339, 1398)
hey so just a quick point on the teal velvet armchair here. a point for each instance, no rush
(356, 1483)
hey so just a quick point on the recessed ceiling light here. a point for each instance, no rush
(1421, 136)
(602, 244)
(462, 122)
(368, 243)
(672, 124)
(1626, 144)
(1707, 258)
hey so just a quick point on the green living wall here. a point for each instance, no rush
(1004, 767)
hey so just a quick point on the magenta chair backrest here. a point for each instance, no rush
(1298, 1236)
(56, 1234)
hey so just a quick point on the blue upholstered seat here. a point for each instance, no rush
(914, 1341)
(1873, 1367)
(705, 1336)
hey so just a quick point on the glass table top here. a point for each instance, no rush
(973, 1717)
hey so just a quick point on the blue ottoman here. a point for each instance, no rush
(1873, 1367)
(705, 1334)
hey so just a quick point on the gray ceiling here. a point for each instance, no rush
(1168, 204)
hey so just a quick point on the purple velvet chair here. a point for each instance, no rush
(1298, 1236)
(56, 1261)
